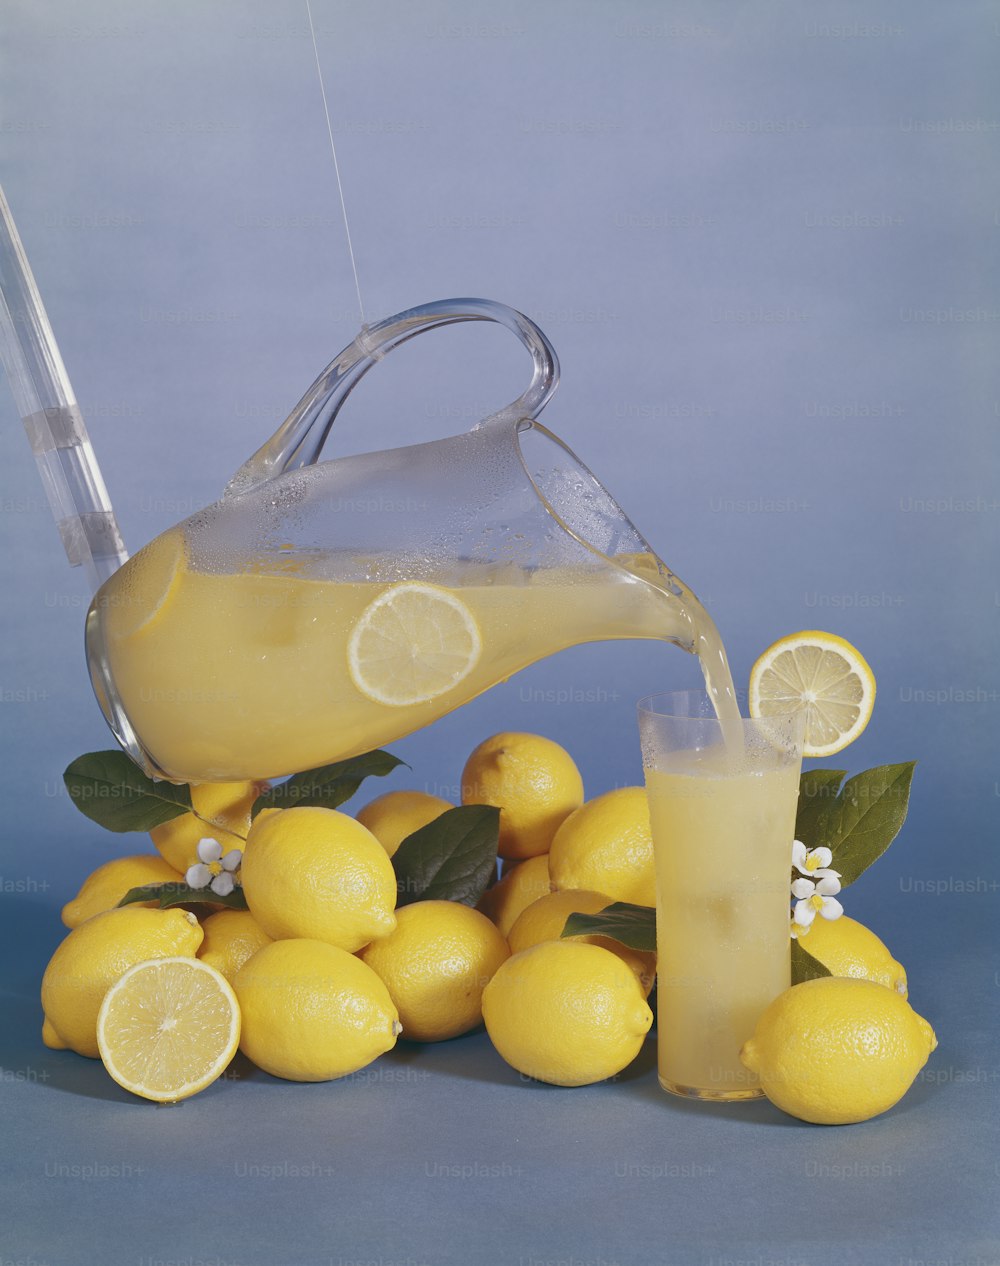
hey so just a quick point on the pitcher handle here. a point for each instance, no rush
(300, 438)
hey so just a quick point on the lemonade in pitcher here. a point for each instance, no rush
(263, 673)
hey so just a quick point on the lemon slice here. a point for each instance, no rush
(148, 584)
(168, 1028)
(823, 674)
(412, 643)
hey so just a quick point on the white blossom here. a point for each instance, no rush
(816, 897)
(213, 869)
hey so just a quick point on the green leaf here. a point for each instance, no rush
(860, 822)
(329, 786)
(451, 858)
(804, 966)
(113, 792)
(181, 894)
(818, 790)
(634, 926)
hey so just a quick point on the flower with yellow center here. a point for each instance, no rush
(214, 869)
(816, 892)
(811, 861)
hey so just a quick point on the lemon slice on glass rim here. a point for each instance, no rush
(168, 1028)
(412, 643)
(825, 676)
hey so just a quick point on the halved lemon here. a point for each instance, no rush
(822, 674)
(412, 643)
(168, 1028)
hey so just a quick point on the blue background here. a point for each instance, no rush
(761, 237)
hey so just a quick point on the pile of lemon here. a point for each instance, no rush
(323, 973)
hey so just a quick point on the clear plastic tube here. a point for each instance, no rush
(52, 420)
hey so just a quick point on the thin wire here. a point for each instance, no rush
(336, 165)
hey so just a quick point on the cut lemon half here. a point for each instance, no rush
(413, 643)
(168, 1028)
(825, 676)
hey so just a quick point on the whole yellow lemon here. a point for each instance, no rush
(847, 948)
(607, 846)
(531, 780)
(318, 874)
(94, 955)
(545, 919)
(224, 809)
(566, 1013)
(525, 883)
(105, 887)
(397, 814)
(436, 965)
(231, 937)
(312, 1012)
(836, 1050)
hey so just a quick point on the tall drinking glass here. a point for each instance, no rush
(723, 820)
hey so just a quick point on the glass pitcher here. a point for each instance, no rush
(324, 608)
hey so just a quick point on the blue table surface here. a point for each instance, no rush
(442, 1153)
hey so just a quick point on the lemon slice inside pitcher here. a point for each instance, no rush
(149, 582)
(825, 676)
(412, 643)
